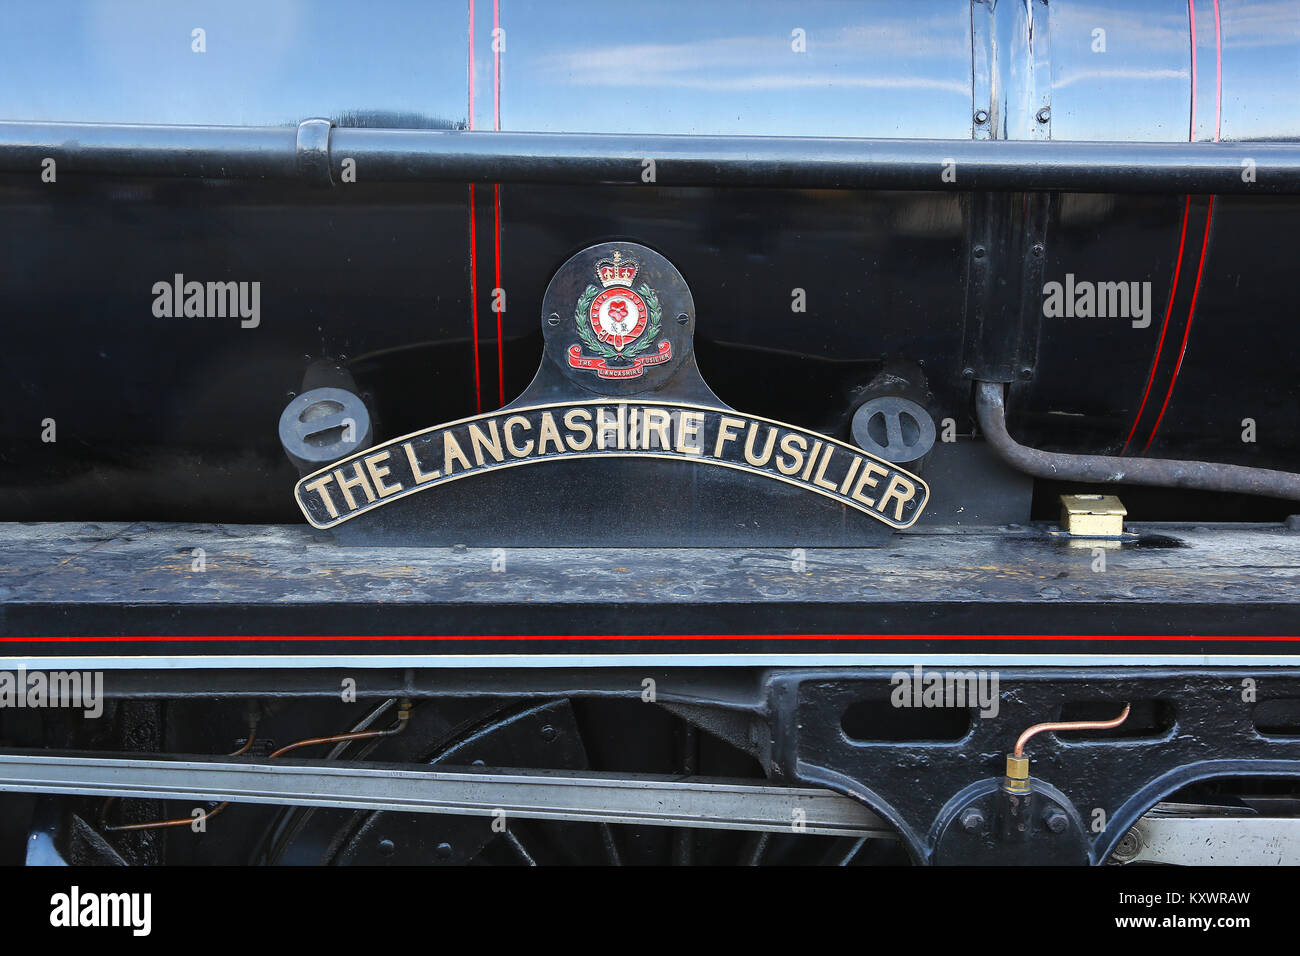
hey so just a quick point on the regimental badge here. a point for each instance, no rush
(619, 326)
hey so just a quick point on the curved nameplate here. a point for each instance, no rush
(565, 431)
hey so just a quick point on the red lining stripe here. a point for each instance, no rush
(473, 235)
(473, 298)
(471, 64)
(1182, 351)
(1182, 243)
(1191, 19)
(496, 194)
(501, 359)
(1218, 73)
(1209, 212)
(1169, 309)
(496, 64)
(666, 637)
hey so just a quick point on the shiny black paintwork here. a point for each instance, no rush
(175, 418)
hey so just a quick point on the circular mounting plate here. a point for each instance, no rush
(618, 319)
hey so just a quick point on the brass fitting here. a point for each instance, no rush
(1017, 778)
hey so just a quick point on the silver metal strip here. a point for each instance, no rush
(105, 662)
(1213, 840)
(541, 795)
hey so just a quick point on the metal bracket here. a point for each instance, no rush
(314, 151)
(1006, 247)
(1006, 234)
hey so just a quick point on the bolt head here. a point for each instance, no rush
(1044, 115)
(1056, 821)
(981, 116)
(972, 820)
(1130, 844)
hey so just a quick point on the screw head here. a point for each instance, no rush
(682, 318)
(972, 820)
(1044, 115)
(1056, 820)
(386, 847)
(978, 252)
(981, 116)
(1038, 250)
(553, 319)
(968, 373)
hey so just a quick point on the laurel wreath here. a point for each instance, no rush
(596, 346)
(585, 331)
(652, 330)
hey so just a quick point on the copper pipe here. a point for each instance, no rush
(337, 738)
(159, 824)
(403, 715)
(1068, 725)
(180, 821)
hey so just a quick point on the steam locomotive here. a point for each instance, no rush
(767, 433)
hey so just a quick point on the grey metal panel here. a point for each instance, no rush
(540, 795)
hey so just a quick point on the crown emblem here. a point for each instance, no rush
(616, 270)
